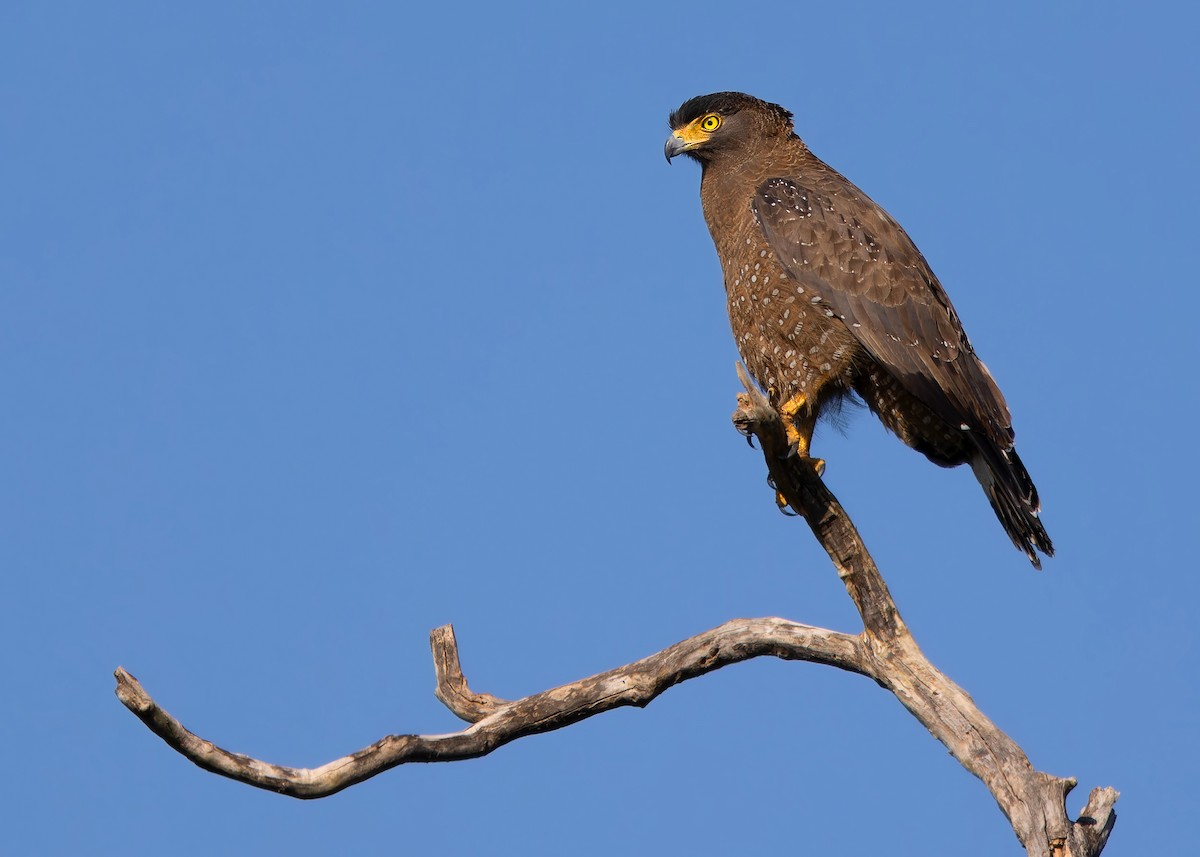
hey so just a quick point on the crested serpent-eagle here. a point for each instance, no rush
(829, 296)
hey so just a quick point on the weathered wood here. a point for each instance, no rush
(1034, 802)
(797, 480)
(885, 651)
(451, 689)
(635, 684)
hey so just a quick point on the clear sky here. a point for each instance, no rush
(326, 324)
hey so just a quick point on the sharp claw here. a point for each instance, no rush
(750, 441)
(781, 501)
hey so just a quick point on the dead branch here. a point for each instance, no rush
(885, 651)
(495, 722)
(1034, 802)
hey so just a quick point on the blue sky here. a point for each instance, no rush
(322, 328)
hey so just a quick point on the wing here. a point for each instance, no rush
(858, 263)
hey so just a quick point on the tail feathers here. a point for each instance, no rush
(1014, 499)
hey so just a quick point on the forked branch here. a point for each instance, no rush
(885, 651)
(496, 722)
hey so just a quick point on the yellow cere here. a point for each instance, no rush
(698, 131)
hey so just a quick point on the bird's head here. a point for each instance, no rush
(707, 125)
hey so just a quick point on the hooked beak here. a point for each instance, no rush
(676, 145)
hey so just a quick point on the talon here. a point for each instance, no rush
(798, 422)
(781, 501)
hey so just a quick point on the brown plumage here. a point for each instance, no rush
(828, 296)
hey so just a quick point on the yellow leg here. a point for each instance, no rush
(799, 422)
(797, 438)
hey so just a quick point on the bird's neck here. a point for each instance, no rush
(735, 176)
(728, 187)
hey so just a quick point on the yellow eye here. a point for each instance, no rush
(711, 122)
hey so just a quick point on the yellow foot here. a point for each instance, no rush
(817, 464)
(796, 438)
(782, 503)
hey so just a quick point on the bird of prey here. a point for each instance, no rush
(829, 296)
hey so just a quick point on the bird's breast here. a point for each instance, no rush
(789, 340)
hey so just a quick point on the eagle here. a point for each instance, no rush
(828, 298)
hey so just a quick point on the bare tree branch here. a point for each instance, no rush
(1034, 802)
(496, 723)
(885, 651)
(451, 689)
